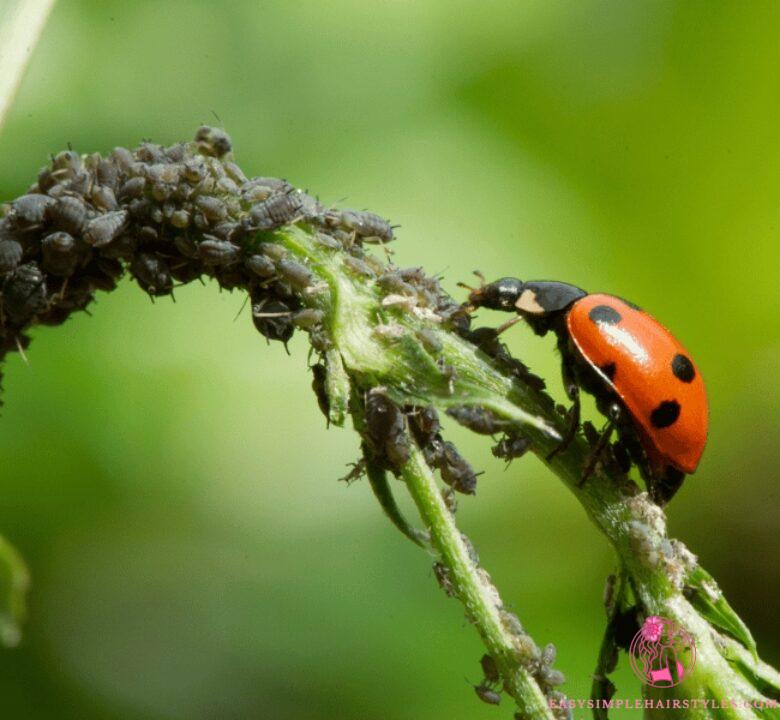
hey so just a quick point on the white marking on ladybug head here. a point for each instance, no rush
(528, 303)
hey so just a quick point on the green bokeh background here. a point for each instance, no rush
(169, 477)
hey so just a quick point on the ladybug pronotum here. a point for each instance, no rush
(642, 378)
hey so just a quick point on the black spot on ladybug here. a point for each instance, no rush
(665, 414)
(609, 370)
(605, 314)
(683, 368)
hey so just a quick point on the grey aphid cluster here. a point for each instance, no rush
(168, 215)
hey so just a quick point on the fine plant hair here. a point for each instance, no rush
(390, 350)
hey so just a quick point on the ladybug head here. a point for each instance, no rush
(499, 295)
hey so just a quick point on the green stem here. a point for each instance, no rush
(474, 589)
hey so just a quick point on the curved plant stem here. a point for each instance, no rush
(19, 33)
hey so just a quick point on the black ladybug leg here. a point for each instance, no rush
(622, 456)
(662, 489)
(598, 448)
(573, 416)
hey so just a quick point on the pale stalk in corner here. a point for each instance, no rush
(20, 29)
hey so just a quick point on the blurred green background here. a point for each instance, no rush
(168, 476)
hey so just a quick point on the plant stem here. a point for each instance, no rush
(19, 34)
(473, 588)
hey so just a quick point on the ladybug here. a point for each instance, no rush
(640, 375)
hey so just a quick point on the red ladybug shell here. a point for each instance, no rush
(649, 370)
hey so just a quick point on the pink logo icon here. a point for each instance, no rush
(662, 654)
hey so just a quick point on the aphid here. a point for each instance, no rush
(359, 267)
(552, 677)
(179, 219)
(148, 152)
(319, 385)
(103, 273)
(512, 623)
(392, 282)
(156, 214)
(103, 197)
(161, 191)
(357, 471)
(227, 188)
(511, 447)
(139, 208)
(194, 170)
(24, 293)
(229, 277)
(425, 424)
(46, 180)
(122, 247)
(297, 274)
(430, 340)
(218, 252)
(327, 241)
(10, 255)
(450, 499)
(389, 332)
(68, 213)
(455, 317)
(442, 575)
(487, 695)
(470, 549)
(549, 653)
(260, 265)
(123, 158)
(107, 174)
(66, 164)
(167, 173)
(367, 225)
(308, 318)
(80, 183)
(642, 378)
(212, 208)
(273, 320)
(31, 209)
(320, 340)
(147, 235)
(235, 172)
(60, 255)
(386, 430)
(183, 271)
(103, 229)
(259, 189)
(132, 188)
(311, 209)
(272, 250)
(152, 274)
(454, 469)
(449, 374)
(477, 419)
(278, 210)
(213, 141)
(489, 669)
(175, 153)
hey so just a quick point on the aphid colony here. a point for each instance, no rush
(169, 215)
